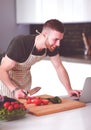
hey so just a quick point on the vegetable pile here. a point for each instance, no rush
(43, 101)
(11, 109)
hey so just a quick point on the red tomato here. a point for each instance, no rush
(36, 101)
(28, 101)
(16, 106)
(6, 104)
(10, 107)
(13, 103)
(31, 97)
(45, 101)
(21, 105)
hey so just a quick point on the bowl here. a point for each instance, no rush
(12, 111)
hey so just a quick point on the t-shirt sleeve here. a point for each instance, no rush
(55, 52)
(18, 50)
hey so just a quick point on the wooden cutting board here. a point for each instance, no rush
(52, 108)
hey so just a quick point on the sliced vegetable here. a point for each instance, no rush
(43, 101)
(55, 99)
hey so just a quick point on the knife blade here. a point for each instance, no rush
(32, 91)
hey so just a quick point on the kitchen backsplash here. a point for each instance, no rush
(72, 43)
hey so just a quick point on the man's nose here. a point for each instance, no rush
(58, 43)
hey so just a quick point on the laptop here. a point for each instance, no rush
(86, 92)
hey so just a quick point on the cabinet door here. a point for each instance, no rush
(81, 11)
(28, 11)
(51, 9)
(39, 11)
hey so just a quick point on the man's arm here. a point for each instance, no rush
(6, 65)
(63, 75)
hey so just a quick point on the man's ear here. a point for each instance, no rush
(45, 35)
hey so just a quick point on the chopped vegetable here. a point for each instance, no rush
(55, 99)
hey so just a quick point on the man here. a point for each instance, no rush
(24, 51)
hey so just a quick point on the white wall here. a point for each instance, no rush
(8, 26)
(44, 75)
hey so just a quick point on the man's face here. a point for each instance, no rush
(53, 39)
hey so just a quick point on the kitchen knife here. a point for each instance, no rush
(32, 91)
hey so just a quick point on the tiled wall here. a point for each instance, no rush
(72, 42)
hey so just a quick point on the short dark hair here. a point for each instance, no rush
(55, 25)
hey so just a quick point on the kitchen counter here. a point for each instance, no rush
(77, 59)
(76, 119)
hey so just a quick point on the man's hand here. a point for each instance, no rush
(20, 94)
(75, 93)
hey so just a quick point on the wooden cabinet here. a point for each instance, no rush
(38, 11)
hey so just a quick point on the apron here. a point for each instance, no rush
(20, 75)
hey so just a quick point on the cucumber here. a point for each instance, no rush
(55, 100)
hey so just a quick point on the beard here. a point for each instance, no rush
(49, 47)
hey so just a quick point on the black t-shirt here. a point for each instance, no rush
(21, 46)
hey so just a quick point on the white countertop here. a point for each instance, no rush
(76, 119)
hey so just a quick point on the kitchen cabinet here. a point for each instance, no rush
(38, 11)
(28, 11)
(44, 75)
(81, 11)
